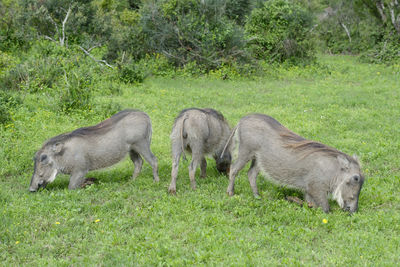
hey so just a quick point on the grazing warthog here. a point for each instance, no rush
(289, 159)
(201, 132)
(95, 147)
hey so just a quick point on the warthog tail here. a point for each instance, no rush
(183, 148)
(229, 140)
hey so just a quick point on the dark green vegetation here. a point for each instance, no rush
(352, 106)
(205, 35)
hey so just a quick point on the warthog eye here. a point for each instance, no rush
(356, 178)
(43, 157)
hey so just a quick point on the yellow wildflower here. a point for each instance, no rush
(324, 221)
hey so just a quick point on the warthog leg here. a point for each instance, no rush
(88, 181)
(137, 161)
(252, 174)
(317, 197)
(308, 200)
(143, 148)
(76, 179)
(176, 155)
(197, 157)
(244, 156)
(203, 168)
(192, 170)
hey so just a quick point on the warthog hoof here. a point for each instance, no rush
(172, 191)
(299, 201)
(230, 193)
(88, 181)
(156, 180)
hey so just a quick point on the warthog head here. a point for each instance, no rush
(224, 163)
(45, 170)
(350, 183)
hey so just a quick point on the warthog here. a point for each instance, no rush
(291, 160)
(201, 132)
(95, 147)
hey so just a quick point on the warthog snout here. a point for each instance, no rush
(32, 190)
(223, 168)
(350, 207)
(41, 184)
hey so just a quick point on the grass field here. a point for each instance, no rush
(348, 105)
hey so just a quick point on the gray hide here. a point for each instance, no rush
(288, 159)
(95, 147)
(201, 132)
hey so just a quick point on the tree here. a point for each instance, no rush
(387, 11)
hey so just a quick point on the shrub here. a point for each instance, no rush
(190, 30)
(77, 93)
(387, 51)
(40, 70)
(107, 109)
(7, 102)
(137, 71)
(131, 73)
(280, 31)
(364, 31)
(6, 62)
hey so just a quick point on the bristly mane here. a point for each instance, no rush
(208, 111)
(302, 145)
(100, 128)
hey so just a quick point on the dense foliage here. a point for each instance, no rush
(367, 27)
(188, 31)
(280, 31)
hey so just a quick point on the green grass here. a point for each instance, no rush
(351, 106)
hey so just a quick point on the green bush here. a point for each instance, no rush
(7, 102)
(363, 29)
(107, 109)
(191, 30)
(77, 93)
(40, 69)
(280, 31)
(137, 71)
(387, 51)
(7, 61)
(64, 73)
(131, 73)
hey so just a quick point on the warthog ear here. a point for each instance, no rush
(355, 157)
(343, 162)
(57, 147)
